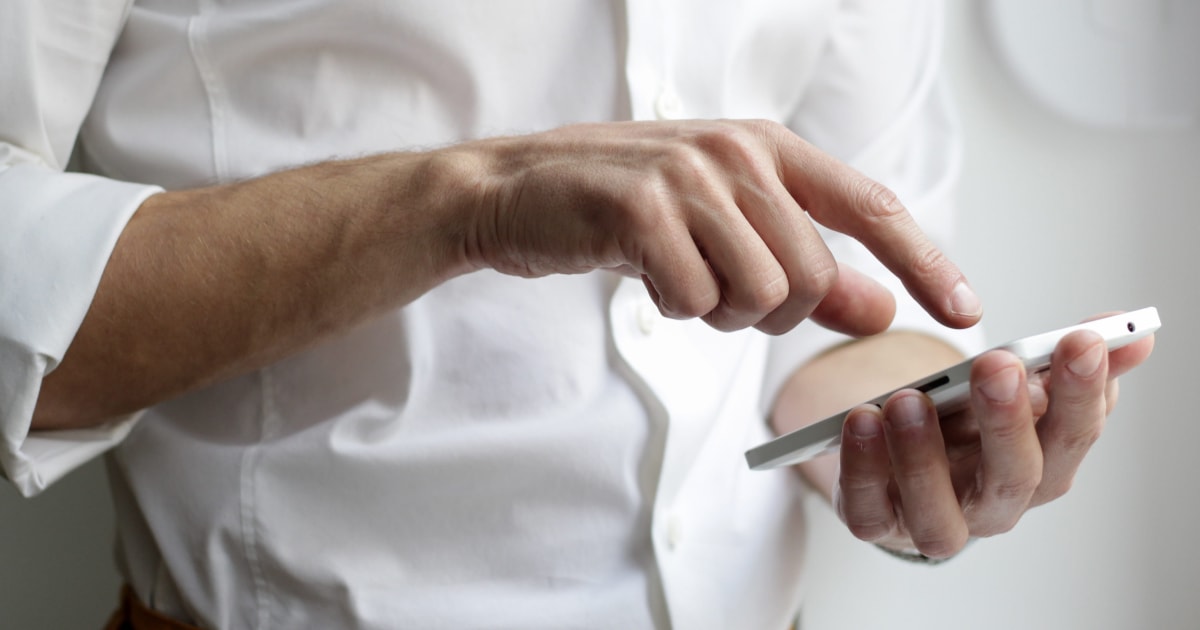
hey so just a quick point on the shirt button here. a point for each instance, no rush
(674, 531)
(668, 106)
(647, 317)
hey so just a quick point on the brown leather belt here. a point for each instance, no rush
(134, 615)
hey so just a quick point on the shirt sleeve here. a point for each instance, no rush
(57, 229)
(878, 103)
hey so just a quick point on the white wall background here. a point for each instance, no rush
(1059, 221)
(56, 560)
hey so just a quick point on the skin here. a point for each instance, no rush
(209, 283)
(909, 480)
(715, 216)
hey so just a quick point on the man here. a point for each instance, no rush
(500, 371)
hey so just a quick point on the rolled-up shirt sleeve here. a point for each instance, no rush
(878, 103)
(57, 229)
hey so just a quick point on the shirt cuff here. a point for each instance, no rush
(57, 232)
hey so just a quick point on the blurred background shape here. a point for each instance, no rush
(1115, 63)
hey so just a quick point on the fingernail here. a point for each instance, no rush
(863, 425)
(1002, 386)
(963, 301)
(908, 411)
(1087, 363)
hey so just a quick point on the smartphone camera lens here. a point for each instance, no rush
(1131, 327)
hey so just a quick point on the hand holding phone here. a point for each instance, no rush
(949, 389)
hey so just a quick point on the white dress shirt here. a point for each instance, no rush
(502, 452)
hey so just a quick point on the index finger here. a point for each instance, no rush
(845, 200)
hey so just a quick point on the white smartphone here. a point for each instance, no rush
(950, 388)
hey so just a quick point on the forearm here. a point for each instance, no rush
(846, 376)
(209, 283)
(206, 284)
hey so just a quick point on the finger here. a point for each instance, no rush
(862, 499)
(678, 279)
(625, 269)
(928, 502)
(857, 305)
(1121, 361)
(793, 240)
(835, 295)
(842, 199)
(1127, 357)
(1076, 412)
(1011, 457)
(1039, 399)
(752, 282)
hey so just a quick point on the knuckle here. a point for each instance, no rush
(1080, 441)
(765, 126)
(1056, 489)
(1009, 524)
(939, 544)
(690, 160)
(817, 280)
(1010, 430)
(1015, 489)
(928, 260)
(735, 144)
(1082, 396)
(767, 296)
(825, 275)
(691, 304)
(917, 474)
(855, 479)
(877, 201)
(767, 131)
(869, 530)
(777, 323)
(995, 528)
(724, 319)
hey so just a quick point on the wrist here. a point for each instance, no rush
(464, 186)
(427, 202)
